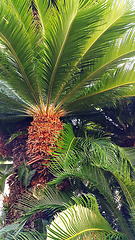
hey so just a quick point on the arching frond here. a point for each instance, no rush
(91, 163)
(100, 57)
(17, 52)
(8, 228)
(69, 58)
(81, 222)
(66, 141)
(42, 199)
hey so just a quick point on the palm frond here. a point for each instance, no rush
(81, 222)
(114, 160)
(42, 199)
(90, 163)
(17, 51)
(132, 219)
(64, 59)
(8, 228)
(102, 91)
(67, 224)
(25, 235)
(82, 23)
(106, 50)
(130, 152)
(66, 141)
(42, 12)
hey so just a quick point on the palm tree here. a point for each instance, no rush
(72, 60)
(66, 61)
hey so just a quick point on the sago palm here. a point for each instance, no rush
(100, 168)
(62, 62)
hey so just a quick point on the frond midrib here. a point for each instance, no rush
(57, 62)
(88, 230)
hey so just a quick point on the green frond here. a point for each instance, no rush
(8, 228)
(66, 141)
(106, 50)
(113, 159)
(112, 85)
(17, 53)
(25, 235)
(91, 163)
(69, 57)
(66, 48)
(42, 199)
(81, 222)
(20, 9)
(101, 154)
(130, 153)
(132, 219)
(55, 40)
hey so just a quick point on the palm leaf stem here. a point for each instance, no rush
(87, 230)
(57, 62)
(21, 68)
(69, 146)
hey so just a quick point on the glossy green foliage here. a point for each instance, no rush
(82, 60)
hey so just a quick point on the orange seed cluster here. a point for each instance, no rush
(42, 136)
